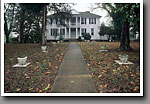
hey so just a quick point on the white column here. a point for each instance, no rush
(69, 32)
(59, 30)
(76, 27)
(58, 33)
(80, 31)
(69, 22)
(76, 32)
(69, 27)
(65, 32)
(76, 21)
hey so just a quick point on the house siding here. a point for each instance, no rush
(74, 31)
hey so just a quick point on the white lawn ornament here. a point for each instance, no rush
(43, 48)
(103, 48)
(22, 61)
(123, 58)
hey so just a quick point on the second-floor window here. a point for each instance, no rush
(51, 21)
(92, 20)
(83, 20)
(62, 22)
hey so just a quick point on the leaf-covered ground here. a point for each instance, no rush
(39, 76)
(108, 76)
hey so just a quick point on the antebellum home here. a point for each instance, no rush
(81, 22)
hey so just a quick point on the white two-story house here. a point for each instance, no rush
(81, 22)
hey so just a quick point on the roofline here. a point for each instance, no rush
(80, 13)
(91, 13)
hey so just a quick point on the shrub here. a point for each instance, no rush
(86, 36)
(79, 39)
(61, 37)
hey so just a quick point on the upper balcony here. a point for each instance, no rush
(74, 22)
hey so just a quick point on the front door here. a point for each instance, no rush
(73, 33)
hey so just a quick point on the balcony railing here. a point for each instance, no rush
(74, 24)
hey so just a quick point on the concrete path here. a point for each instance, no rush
(73, 76)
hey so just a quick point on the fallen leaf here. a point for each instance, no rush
(132, 82)
(127, 66)
(30, 88)
(57, 54)
(6, 72)
(47, 87)
(38, 70)
(40, 91)
(26, 74)
(105, 86)
(136, 88)
(18, 89)
(37, 89)
(118, 68)
(101, 86)
(99, 63)
(104, 71)
(132, 75)
(11, 59)
(101, 92)
(56, 67)
(88, 65)
(50, 64)
(27, 77)
(99, 76)
(37, 62)
(47, 73)
(114, 70)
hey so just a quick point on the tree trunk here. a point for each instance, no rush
(44, 25)
(125, 39)
(21, 31)
(21, 27)
(6, 29)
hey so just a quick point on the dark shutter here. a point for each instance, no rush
(51, 32)
(95, 20)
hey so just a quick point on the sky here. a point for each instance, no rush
(82, 7)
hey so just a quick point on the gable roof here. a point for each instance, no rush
(73, 11)
(86, 14)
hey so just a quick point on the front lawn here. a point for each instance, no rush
(108, 76)
(39, 76)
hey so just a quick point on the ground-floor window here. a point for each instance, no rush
(54, 32)
(92, 31)
(62, 31)
(83, 30)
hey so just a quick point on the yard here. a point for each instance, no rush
(108, 76)
(39, 76)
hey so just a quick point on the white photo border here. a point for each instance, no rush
(72, 94)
